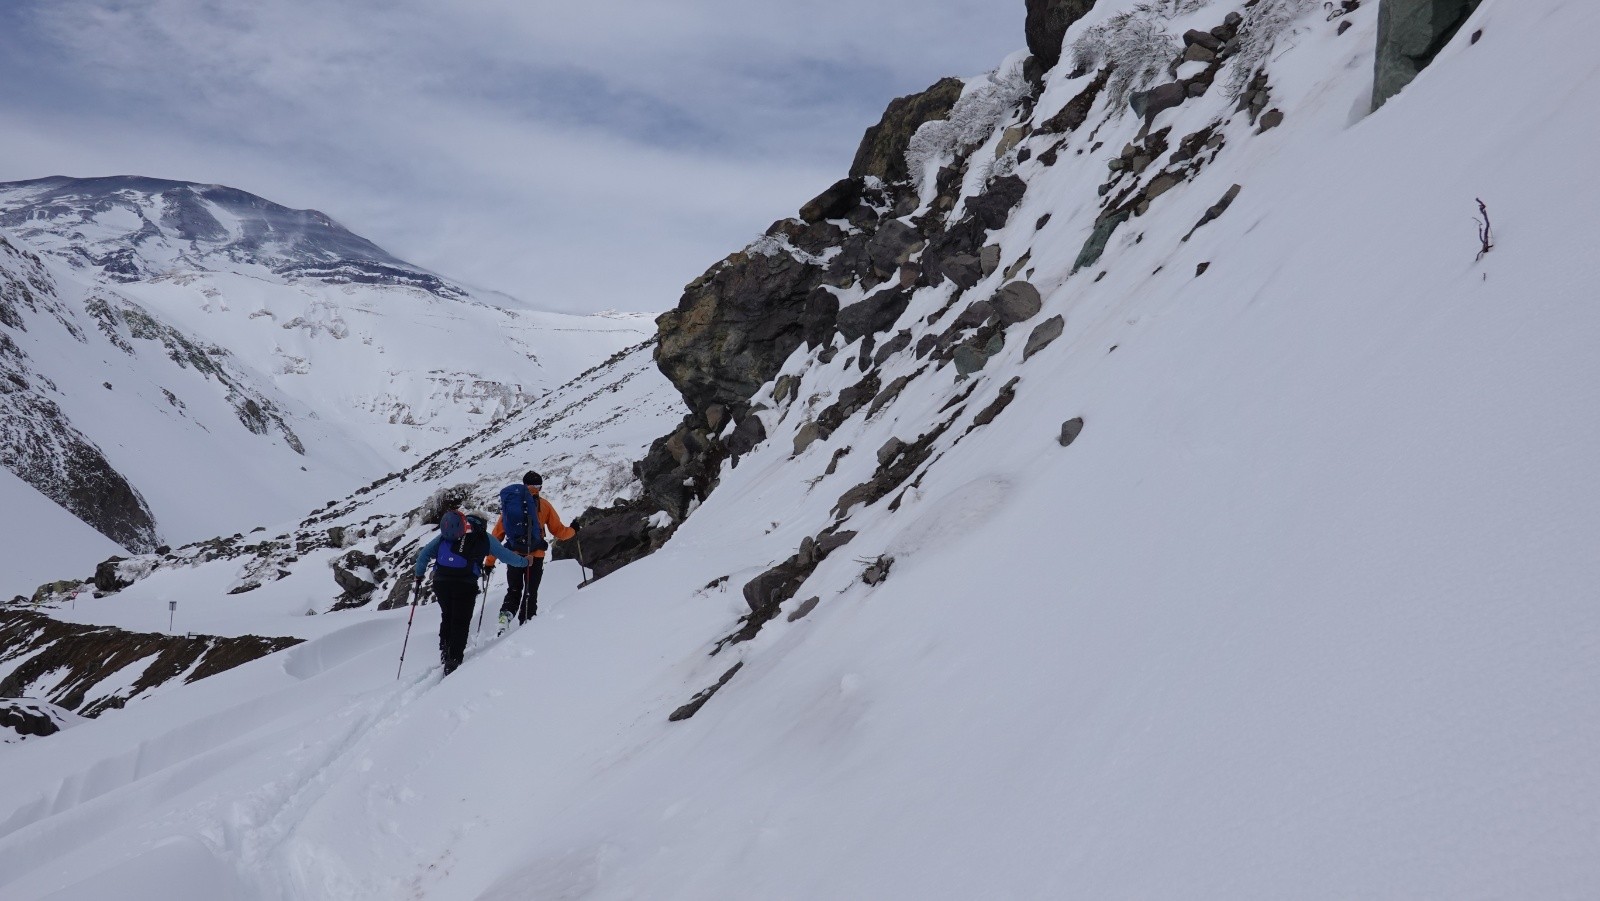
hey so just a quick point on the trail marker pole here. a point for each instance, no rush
(172, 613)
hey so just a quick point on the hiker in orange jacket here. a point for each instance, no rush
(522, 585)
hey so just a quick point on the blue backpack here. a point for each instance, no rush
(519, 514)
(463, 543)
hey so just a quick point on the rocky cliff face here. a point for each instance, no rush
(38, 442)
(902, 260)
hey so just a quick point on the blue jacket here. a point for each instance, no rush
(510, 557)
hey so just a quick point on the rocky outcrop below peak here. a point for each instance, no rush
(882, 153)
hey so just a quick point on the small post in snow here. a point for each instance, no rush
(172, 613)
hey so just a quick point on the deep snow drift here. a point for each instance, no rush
(1305, 610)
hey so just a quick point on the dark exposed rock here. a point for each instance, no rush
(893, 245)
(735, 325)
(29, 718)
(890, 392)
(1076, 112)
(964, 269)
(69, 662)
(1216, 209)
(883, 148)
(891, 475)
(746, 435)
(1270, 119)
(1095, 246)
(974, 353)
(873, 314)
(836, 202)
(1205, 39)
(108, 577)
(989, 259)
(993, 207)
(1149, 104)
(898, 343)
(1410, 34)
(1043, 334)
(616, 536)
(1008, 393)
(704, 695)
(1046, 26)
(1017, 302)
(1071, 429)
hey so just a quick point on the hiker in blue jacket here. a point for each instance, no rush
(456, 554)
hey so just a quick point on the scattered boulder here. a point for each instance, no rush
(746, 435)
(993, 207)
(1216, 210)
(1410, 34)
(891, 449)
(1149, 104)
(805, 436)
(1017, 302)
(1269, 120)
(1003, 400)
(1043, 334)
(1070, 430)
(836, 202)
(964, 269)
(704, 695)
(873, 314)
(892, 246)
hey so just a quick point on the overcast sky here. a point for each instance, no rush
(580, 156)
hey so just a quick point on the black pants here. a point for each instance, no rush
(456, 597)
(522, 589)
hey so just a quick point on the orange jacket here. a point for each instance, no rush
(547, 518)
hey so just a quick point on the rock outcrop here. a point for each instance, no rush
(1047, 24)
(73, 662)
(883, 150)
(1410, 34)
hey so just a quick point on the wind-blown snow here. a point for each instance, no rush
(1306, 611)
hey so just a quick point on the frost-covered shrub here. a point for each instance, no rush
(982, 107)
(1136, 43)
(1265, 26)
(441, 501)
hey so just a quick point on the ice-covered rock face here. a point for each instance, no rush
(131, 227)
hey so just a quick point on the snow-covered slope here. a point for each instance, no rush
(1304, 610)
(229, 362)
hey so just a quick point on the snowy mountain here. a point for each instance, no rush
(1139, 478)
(192, 360)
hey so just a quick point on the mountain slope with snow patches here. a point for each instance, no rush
(193, 360)
(1299, 605)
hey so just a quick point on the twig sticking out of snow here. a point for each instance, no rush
(1485, 231)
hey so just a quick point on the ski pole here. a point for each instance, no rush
(416, 594)
(483, 596)
(581, 568)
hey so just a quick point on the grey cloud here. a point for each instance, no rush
(577, 155)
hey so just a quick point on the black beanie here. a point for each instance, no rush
(532, 478)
